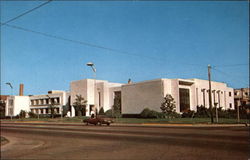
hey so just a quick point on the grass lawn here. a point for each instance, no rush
(136, 120)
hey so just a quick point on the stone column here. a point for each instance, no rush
(72, 111)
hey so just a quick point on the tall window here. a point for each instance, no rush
(184, 99)
(99, 95)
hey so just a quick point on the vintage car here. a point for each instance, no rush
(99, 120)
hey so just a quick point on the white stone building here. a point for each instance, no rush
(187, 93)
(98, 93)
(39, 104)
(15, 104)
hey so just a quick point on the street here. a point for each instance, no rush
(123, 142)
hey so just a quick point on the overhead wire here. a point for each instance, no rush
(231, 65)
(233, 77)
(27, 12)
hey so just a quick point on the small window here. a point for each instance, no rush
(246, 93)
(230, 94)
(230, 105)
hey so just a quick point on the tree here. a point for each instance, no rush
(168, 106)
(22, 114)
(80, 105)
(2, 109)
(117, 105)
(51, 107)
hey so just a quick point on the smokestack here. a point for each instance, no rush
(21, 90)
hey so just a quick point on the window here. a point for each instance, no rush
(11, 102)
(230, 94)
(246, 93)
(230, 105)
(184, 99)
(99, 95)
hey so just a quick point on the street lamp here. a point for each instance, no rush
(90, 64)
(9, 84)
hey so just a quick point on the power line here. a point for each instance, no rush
(233, 77)
(77, 41)
(12, 19)
(231, 65)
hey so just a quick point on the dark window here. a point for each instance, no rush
(99, 95)
(230, 105)
(230, 94)
(184, 99)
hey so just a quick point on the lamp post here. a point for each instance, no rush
(9, 84)
(90, 64)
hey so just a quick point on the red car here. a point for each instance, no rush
(98, 120)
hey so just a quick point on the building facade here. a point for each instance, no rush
(134, 97)
(15, 104)
(241, 97)
(98, 93)
(40, 104)
(187, 93)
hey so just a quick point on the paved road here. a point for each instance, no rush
(114, 142)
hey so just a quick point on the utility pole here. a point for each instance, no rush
(210, 93)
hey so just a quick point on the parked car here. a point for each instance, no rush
(98, 120)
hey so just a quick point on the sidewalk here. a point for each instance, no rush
(126, 124)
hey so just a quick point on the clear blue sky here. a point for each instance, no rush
(169, 39)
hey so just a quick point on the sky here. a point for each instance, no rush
(140, 40)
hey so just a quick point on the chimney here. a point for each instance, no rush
(21, 90)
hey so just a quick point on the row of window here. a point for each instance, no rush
(46, 101)
(229, 93)
(45, 111)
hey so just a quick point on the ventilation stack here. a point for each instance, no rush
(21, 90)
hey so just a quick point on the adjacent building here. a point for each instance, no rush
(15, 104)
(241, 97)
(39, 104)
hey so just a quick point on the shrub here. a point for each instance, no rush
(101, 112)
(32, 115)
(202, 112)
(147, 113)
(22, 114)
(188, 114)
(108, 113)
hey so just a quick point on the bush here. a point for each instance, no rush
(147, 113)
(188, 114)
(108, 113)
(101, 112)
(32, 115)
(202, 112)
(22, 114)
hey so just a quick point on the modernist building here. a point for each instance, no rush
(241, 97)
(98, 93)
(38, 104)
(15, 104)
(187, 93)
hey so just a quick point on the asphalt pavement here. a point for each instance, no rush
(43, 141)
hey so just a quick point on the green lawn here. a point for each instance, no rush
(137, 120)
